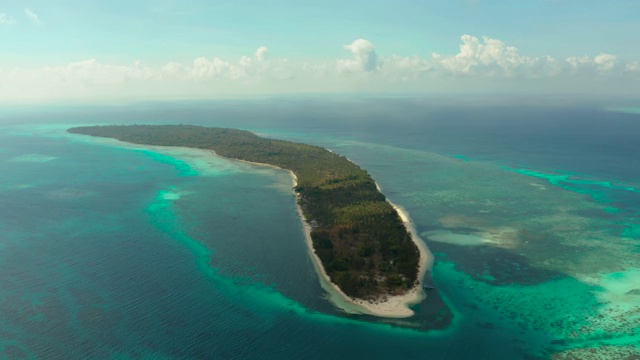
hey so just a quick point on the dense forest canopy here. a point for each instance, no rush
(359, 237)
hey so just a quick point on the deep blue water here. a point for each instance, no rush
(109, 251)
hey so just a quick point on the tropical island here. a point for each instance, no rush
(359, 241)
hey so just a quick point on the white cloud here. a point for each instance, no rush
(248, 69)
(33, 16)
(262, 53)
(397, 68)
(364, 57)
(204, 68)
(633, 66)
(174, 70)
(605, 61)
(576, 62)
(602, 64)
(492, 58)
(6, 19)
(481, 63)
(487, 57)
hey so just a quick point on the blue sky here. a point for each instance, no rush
(171, 48)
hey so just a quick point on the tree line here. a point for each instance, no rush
(360, 239)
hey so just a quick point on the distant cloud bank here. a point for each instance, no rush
(481, 64)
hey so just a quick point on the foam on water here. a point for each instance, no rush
(20, 186)
(500, 237)
(33, 158)
(15, 187)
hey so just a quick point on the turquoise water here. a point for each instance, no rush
(113, 251)
(632, 110)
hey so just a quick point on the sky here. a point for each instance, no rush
(93, 51)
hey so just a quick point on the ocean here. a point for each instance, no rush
(115, 251)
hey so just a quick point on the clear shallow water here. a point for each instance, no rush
(184, 255)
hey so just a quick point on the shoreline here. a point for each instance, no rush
(388, 306)
(396, 306)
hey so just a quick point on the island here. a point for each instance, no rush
(360, 242)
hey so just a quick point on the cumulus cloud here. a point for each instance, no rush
(204, 69)
(485, 61)
(577, 62)
(32, 16)
(408, 68)
(487, 56)
(6, 19)
(175, 70)
(602, 64)
(364, 57)
(248, 69)
(605, 61)
(262, 53)
(633, 67)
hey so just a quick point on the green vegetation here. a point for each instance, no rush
(359, 237)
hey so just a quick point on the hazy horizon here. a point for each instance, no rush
(118, 51)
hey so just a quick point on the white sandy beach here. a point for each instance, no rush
(388, 306)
